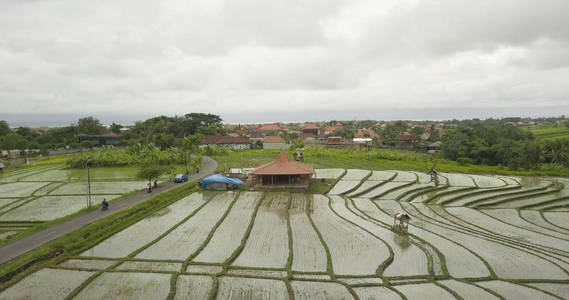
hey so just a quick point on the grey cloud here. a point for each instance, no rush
(444, 27)
(271, 58)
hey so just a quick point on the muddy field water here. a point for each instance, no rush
(292, 245)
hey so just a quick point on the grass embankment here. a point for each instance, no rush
(543, 133)
(86, 237)
(370, 160)
(41, 161)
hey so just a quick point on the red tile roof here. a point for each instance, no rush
(283, 166)
(256, 136)
(218, 139)
(273, 139)
(311, 126)
(269, 127)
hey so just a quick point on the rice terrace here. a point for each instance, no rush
(469, 237)
(275, 149)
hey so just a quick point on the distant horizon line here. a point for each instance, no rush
(64, 123)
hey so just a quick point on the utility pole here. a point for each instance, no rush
(88, 185)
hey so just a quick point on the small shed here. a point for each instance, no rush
(220, 183)
(434, 147)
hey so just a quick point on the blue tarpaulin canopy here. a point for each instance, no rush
(222, 179)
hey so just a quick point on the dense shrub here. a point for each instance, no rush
(133, 155)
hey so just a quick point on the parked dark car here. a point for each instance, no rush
(180, 178)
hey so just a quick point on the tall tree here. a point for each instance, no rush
(89, 125)
(4, 128)
(151, 172)
(115, 128)
(191, 145)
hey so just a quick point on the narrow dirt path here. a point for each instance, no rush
(38, 239)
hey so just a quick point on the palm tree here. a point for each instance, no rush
(555, 152)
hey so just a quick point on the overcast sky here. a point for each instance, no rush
(282, 60)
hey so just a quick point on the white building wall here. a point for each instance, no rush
(283, 146)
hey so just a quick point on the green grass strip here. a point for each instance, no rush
(564, 232)
(448, 192)
(210, 234)
(520, 192)
(481, 287)
(551, 223)
(329, 265)
(85, 283)
(237, 251)
(290, 258)
(485, 234)
(508, 242)
(184, 220)
(359, 184)
(523, 228)
(381, 268)
(425, 246)
(380, 183)
(546, 204)
(173, 286)
(393, 190)
(420, 192)
(477, 191)
(513, 199)
(452, 292)
(490, 269)
(403, 297)
(214, 287)
(289, 289)
(498, 237)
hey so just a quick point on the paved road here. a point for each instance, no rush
(41, 238)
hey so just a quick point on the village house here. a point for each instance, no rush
(366, 133)
(269, 128)
(231, 143)
(308, 138)
(336, 142)
(406, 141)
(253, 138)
(275, 142)
(283, 172)
(329, 130)
(311, 128)
(102, 140)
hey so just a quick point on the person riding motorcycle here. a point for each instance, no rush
(105, 204)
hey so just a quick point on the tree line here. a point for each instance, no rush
(495, 143)
(162, 131)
